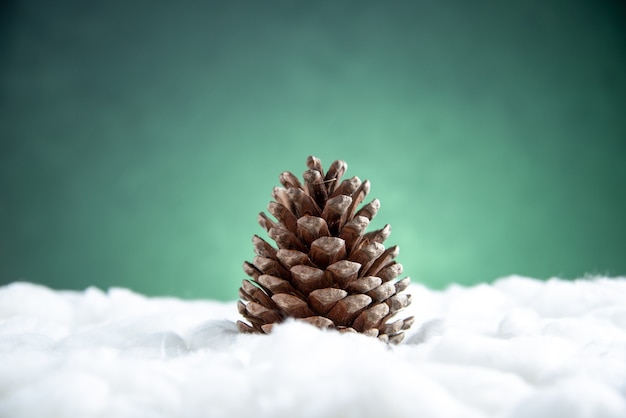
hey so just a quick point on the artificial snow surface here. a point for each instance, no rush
(517, 348)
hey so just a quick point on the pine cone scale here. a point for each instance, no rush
(347, 309)
(344, 272)
(307, 279)
(371, 317)
(327, 250)
(290, 258)
(292, 305)
(275, 285)
(310, 228)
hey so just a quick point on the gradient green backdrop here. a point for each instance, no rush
(140, 139)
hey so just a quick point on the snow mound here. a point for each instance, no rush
(516, 348)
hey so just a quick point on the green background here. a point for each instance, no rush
(140, 139)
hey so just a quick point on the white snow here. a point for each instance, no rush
(517, 348)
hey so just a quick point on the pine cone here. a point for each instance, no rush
(327, 271)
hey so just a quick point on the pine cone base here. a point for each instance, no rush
(326, 270)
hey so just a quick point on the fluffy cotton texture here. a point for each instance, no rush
(517, 348)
